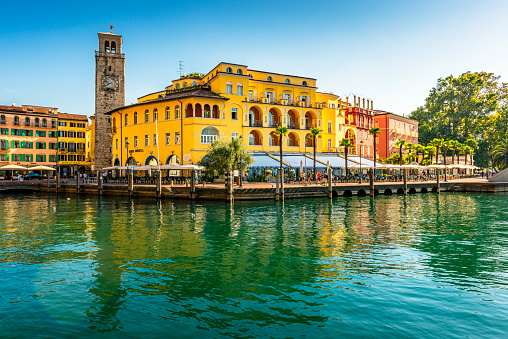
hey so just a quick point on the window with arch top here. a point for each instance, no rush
(287, 81)
(147, 116)
(209, 135)
(135, 118)
(155, 114)
(229, 70)
(304, 83)
(113, 47)
(239, 71)
(184, 84)
(106, 46)
(168, 113)
(194, 83)
(126, 122)
(177, 86)
(269, 78)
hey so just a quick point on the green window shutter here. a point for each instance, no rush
(44, 146)
(22, 144)
(22, 156)
(44, 157)
(31, 145)
(12, 143)
(12, 131)
(7, 157)
(36, 146)
(7, 144)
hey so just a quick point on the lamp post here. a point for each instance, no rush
(241, 170)
(127, 145)
(361, 146)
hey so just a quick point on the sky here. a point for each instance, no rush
(392, 52)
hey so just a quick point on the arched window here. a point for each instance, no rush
(194, 83)
(168, 113)
(135, 118)
(184, 84)
(113, 47)
(177, 86)
(250, 76)
(239, 71)
(239, 88)
(254, 138)
(177, 112)
(273, 140)
(229, 87)
(304, 83)
(16, 121)
(209, 135)
(147, 115)
(207, 111)
(106, 46)
(126, 119)
(229, 70)
(44, 123)
(53, 123)
(27, 121)
(269, 78)
(155, 114)
(287, 81)
(36, 122)
(2, 120)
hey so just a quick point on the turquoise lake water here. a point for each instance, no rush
(421, 266)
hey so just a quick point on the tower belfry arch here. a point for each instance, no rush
(109, 93)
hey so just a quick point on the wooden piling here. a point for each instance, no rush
(404, 171)
(371, 182)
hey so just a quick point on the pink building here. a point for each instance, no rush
(393, 127)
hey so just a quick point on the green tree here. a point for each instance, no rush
(346, 143)
(437, 143)
(400, 144)
(500, 154)
(374, 131)
(281, 132)
(430, 150)
(315, 133)
(224, 156)
(473, 145)
(420, 148)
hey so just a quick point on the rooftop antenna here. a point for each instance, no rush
(180, 68)
(111, 28)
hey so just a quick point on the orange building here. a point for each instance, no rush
(28, 135)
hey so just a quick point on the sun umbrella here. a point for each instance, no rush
(13, 168)
(41, 168)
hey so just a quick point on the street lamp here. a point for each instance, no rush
(241, 170)
(127, 145)
(361, 146)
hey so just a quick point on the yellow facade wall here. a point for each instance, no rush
(257, 114)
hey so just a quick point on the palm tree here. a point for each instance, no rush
(451, 146)
(400, 144)
(460, 150)
(500, 154)
(419, 149)
(437, 143)
(374, 131)
(409, 147)
(430, 150)
(314, 134)
(473, 144)
(467, 150)
(447, 145)
(346, 143)
(281, 132)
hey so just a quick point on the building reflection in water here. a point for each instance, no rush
(249, 262)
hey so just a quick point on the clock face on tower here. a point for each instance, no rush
(109, 83)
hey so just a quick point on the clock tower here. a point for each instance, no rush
(109, 93)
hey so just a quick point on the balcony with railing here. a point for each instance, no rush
(274, 124)
(255, 123)
(293, 125)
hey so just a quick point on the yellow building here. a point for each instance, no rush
(72, 143)
(229, 101)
